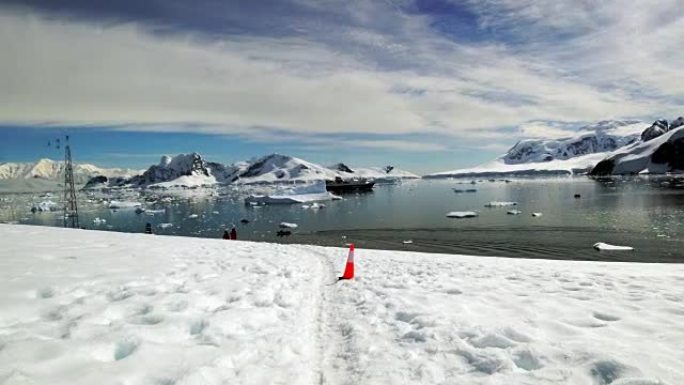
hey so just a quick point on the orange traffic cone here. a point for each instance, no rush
(349, 269)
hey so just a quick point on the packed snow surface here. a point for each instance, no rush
(88, 307)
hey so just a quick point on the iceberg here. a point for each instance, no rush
(608, 247)
(288, 225)
(46, 206)
(461, 214)
(123, 204)
(314, 192)
(500, 204)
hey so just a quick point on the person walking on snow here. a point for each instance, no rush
(233, 233)
(226, 235)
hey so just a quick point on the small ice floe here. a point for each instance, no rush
(288, 225)
(537, 214)
(193, 216)
(215, 212)
(45, 206)
(514, 212)
(607, 247)
(123, 204)
(317, 206)
(462, 214)
(500, 204)
(407, 242)
(305, 207)
(99, 221)
(165, 225)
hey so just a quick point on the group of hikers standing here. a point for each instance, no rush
(230, 235)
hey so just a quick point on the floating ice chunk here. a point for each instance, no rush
(165, 225)
(514, 212)
(407, 242)
(500, 204)
(537, 214)
(306, 206)
(46, 206)
(215, 212)
(123, 204)
(288, 225)
(316, 206)
(99, 221)
(193, 216)
(607, 247)
(462, 214)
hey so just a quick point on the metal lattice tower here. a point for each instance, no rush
(70, 206)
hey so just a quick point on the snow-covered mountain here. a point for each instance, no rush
(573, 155)
(660, 151)
(191, 170)
(53, 170)
(276, 167)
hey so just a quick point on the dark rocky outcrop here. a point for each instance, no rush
(658, 128)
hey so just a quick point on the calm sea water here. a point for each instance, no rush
(647, 214)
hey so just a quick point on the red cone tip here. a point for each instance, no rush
(351, 247)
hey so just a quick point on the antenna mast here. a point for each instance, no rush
(70, 206)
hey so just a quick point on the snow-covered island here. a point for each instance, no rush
(660, 151)
(192, 170)
(89, 307)
(567, 156)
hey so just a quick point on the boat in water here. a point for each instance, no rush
(340, 185)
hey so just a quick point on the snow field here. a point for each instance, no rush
(111, 308)
(84, 307)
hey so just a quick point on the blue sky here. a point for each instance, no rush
(426, 85)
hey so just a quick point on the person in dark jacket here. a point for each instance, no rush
(233, 233)
(226, 235)
(148, 228)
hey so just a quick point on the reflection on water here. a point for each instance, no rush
(646, 213)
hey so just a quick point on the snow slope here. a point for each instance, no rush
(577, 154)
(379, 174)
(280, 168)
(659, 155)
(87, 307)
(54, 170)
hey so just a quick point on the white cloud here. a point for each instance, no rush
(387, 75)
